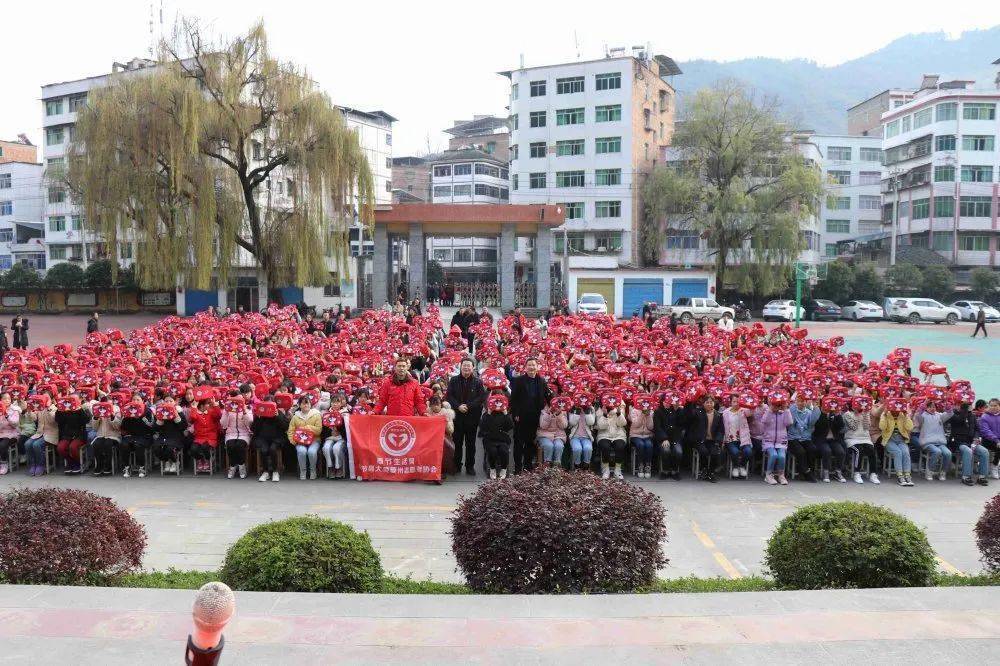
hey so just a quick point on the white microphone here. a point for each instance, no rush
(214, 606)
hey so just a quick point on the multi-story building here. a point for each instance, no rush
(584, 135)
(941, 181)
(468, 176)
(486, 133)
(21, 196)
(21, 150)
(865, 118)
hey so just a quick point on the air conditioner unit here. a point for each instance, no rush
(601, 248)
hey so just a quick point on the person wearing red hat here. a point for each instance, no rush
(495, 427)
(857, 436)
(737, 435)
(933, 440)
(895, 424)
(641, 436)
(966, 442)
(399, 394)
(800, 436)
(10, 416)
(72, 424)
(204, 419)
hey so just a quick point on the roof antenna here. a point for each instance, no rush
(576, 42)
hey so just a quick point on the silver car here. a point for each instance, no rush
(862, 310)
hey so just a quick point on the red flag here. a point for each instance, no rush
(395, 448)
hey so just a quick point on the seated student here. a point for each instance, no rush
(10, 417)
(668, 433)
(495, 427)
(236, 421)
(775, 420)
(989, 430)
(26, 427)
(335, 438)
(828, 438)
(137, 436)
(581, 436)
(965, 441)
(895, 424)
(552, 424)
(306, 419)
(269, 434)
(205, 420)
(108, 438)
(72, 425)
(46, 434)
(704, 433)
(800, 436)
(170, 425)
(933, 440)
(858, 437)
(737, 437)
(611, 434)
(641, 435)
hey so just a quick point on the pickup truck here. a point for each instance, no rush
(693, 309)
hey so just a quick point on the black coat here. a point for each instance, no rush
(469, 392)
(92, 325)
(522, 405)
(825, 424)
(72, 424)
(19, 336)
(139, 427)
(696, 425)
(496, 427)
(964, 427)
(270, 428)
(667, 425)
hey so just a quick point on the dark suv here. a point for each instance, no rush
(819, 308)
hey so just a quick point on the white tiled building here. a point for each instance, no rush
(21, 205)
(468, 176)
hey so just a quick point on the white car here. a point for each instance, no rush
(859, 310)
(916, 310)
(691, 309)
(592, 304)
(969, 310)
(783, 310)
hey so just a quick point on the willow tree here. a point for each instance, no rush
(220, 156)
(735, 178)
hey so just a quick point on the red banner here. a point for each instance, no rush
(395, 448)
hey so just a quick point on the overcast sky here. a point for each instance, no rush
(430, 62)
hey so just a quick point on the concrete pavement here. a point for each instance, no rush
(59, 625)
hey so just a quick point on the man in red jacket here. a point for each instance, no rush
(399, 394)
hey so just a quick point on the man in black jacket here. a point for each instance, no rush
(93, 324)
(466, 395)
(528, 396)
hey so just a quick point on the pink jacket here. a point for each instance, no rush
(640, 425)
(9, 422)
(237, 424)
(737, 427)
(552, 427)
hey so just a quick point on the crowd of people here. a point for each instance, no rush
(583, 392)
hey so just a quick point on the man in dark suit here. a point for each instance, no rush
(466, 395)
(528, 396)
(19, 332)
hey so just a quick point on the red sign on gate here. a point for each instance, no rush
(395, 448)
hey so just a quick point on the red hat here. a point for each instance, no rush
(235, 403)
(103, 410)
(777, 398)
(284, 400)
(861, 403)
(265, 409)
(496, 402)
(562, 403)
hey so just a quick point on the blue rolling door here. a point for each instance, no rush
(195, 300)
(637, 291)
(688, 288)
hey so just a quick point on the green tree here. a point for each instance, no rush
(939, 282)
(868, 284)
(435, 272)
(66, 275)
(839, 283)
(738, 180)
(984, 282)
(220, 151)
(904, 279)
(98, 275)
(21, 276)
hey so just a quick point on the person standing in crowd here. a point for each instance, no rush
(466, 395)
(528, 395)
(673, 323)
(19, 332)
(93, 324)
(980, 323)
(399, 393)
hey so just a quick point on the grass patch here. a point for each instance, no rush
(394, 585)
(958, 580)
(694, 584)
(171, 579)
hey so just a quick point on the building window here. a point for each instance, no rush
(442, 255)
(442, 190)
(838, 203)
(536, 181)
(921, 209)
(537, 88)
(6, 235)
(332, 288)
(944, 206)
(569, 116)
(4, 181)
(871, 154)
(831, 249)
(53, 107)
(6, 208)
(462, 170)
(569, 179)
(504, 194)
(947, 111)
(575, 240)
(923, 117)
(442, 170)
(611, 81)
(866, 227)
(869, 202)
(838, 226)
(971, 243)
(944, 142)
(839, 177)
(514, 181)
(463, 255)
(513, 120)
(892, 129)
(76, 222)
(839, 153)
(608, 177)
(491, 147)
(977, 174)
(979, 111)
(610, 241)
(976, 207)
(462, 190)
(484, 190)
(536, 119)
(536, 149)
(569, 147)
(513, 152)
(974, 142)
(57, 195)
(904, 124)
(486, 254)
(513, 92)
(487, 170)
(869, 177)
(57, 252)
(608, 113)
(388, 139)
(944, 174)
(567, 86)
(608, 144)
(682, 240)
(76, 102)
(608, 209)
(904, 208)
(942, 240)
(574, 210)
(54, 136)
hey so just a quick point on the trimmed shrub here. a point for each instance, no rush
(849, 545)
(988, 536)
(58, 536)
(557, 531)
(303, 554)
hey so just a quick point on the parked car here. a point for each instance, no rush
(691, 309)
(782, 310)
(916, 310)
(819, 308)
(969, 310)
(859, 310)
(592, 304)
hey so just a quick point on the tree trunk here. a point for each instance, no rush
(720, 273)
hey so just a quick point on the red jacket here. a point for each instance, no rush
(400, 399)
(206, 425)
